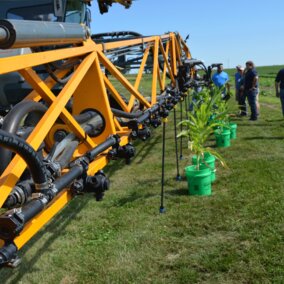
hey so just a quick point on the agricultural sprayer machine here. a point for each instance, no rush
(63, 117)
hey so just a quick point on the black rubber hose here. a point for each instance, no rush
(12, 122)
(139, 114)
(67, 154)
(31, 209)
(120, 113)
(25, 151)
(54, 77)
(148, 113)
(143, 117)
(111, 141)
(78, 169)
(69, 177)
(115, 34)
(7, 253)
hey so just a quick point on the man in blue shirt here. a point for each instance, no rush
(221, 80)
(251, 89)
(279, 82)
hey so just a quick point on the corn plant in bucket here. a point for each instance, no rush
(198, 128)
(227, 131)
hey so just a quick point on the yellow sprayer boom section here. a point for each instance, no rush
(71, 118)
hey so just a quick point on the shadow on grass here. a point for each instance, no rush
(264, 138)
(110, 169)
(142, 195)
(146, 148)
(131, 198)
(274, 120)
(178, 192)
(55, 229)
(254, 123)
(140, 155)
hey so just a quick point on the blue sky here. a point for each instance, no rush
(225, 31)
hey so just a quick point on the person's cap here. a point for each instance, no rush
(249, 62)
(240, 67)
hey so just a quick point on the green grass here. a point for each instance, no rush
(234, 236)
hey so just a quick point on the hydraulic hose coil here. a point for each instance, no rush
(29, 155)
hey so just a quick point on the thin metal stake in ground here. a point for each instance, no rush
(162, 208)
(186, 107)
(181, 117)
(178, 177)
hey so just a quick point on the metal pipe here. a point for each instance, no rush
(111, 141)
(94, 123)
(67, 154)
(21, 33)
(68, 178)
(123, 114)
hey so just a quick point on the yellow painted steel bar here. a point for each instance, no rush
(15, 63)
(115, 94)
(100, 99)
(74, 126)
(117, 125)
(178, 50)
(165, 55)
(49, 82)
(173, 55)
(166, 63)
(47, 95)
(155, 71)
(161, 83)
(139, 76)
(130, 42)
(114, 71)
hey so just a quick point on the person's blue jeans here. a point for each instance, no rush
(252, 96)
(242, 103)
(282, 100)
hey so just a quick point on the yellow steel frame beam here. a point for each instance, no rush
(88, 87)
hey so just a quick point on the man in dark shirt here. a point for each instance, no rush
(251, 89)
(279, 82)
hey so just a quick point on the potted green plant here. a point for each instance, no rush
(227, 131)
(198, 128)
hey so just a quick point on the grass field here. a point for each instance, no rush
(234, 236)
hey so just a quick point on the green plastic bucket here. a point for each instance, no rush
(209, 162)
(233, 129)
(199, 182)
(223, 138)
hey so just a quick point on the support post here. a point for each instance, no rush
(181, 118)
(178, 177)
(162, 208)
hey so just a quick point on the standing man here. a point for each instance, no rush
(239, 90)
(279, 82)
(221, 80)
(251, 89)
